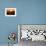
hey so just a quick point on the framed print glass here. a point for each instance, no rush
(32, 32)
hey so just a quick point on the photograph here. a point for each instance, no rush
(10, 11)
(31, 33)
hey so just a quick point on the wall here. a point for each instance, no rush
(28, 12)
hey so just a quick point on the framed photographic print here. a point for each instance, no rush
(10, 12)
(33, 32)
